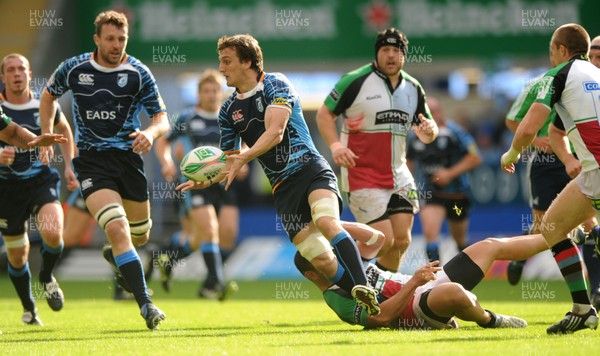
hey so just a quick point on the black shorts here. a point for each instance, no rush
(75, 200)
(547, 178)
(291, 196)
(121, 171)
(457, 209)
(215, 195)
(21, 198)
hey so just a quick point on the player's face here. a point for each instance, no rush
(390, 60)
(231, 67)
(16, 75)
(111, 44)
(210, 96)
(595, 56)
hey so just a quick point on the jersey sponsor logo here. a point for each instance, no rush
(86, 79)
(591, 86)
(237, 115)
(259, 105)
(100, 115)
(280, 101)
(391, 117)
(334, 95)
(122, 80)
(374, 97)
(87, 183)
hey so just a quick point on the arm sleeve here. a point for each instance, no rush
(422, 107)
(230, 140)
(552, 86)
(280, 93)
(149, 95)
(466, 141)
(58, 84)
(178, 128)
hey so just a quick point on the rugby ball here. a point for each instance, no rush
(203, 163)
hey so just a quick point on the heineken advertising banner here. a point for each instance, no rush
(182, 31)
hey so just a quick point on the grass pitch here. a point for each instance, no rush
(275, 318)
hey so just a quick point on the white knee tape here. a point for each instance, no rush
(373, 239)
(314, 245)
(22, 241)
(325, 207)
(140, 227)
(109, 213)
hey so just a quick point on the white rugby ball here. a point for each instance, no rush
(203, 163)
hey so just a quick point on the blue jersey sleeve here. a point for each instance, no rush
(177, 128)
(466, 142)
(58, 84)
(230, 140)
(279, 91)
(58, 113)
(150, 96)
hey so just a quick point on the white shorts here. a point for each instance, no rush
(589, 185)
(370, 204)
(429, 323)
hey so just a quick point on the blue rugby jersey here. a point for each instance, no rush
(196, 128)
(107, 101)
(242, 117)
(26, 163)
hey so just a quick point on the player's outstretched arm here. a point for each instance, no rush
(342, 156)
(19, 136)
(560, 146)
(68, 151)
(143, 140)
(368, 240)
(47, 112)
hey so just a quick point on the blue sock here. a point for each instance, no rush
(21, 279)
(350, 265)
(50, 256)
(433, 252)
(214, 265)
(131, 268)
(592, 263)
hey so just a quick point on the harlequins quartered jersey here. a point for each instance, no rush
(452, 145)
(389, 114)
(107, 101)
(26, 163)
(242, 117)
(573, 89)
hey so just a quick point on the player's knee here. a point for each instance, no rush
(326, 214)
(462, 297)
(140, 231)
(316, 249)
(402, 242)
(112, 219)
(17, 249)
(52, 238)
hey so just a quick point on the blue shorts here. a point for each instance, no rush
(215, 195)
(291, 196)
(547, 178)
(21, 198)
(121, 171)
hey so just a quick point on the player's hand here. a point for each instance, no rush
(7, 157)
(169, 170)
(441, 177)
(573, 167)
(508, 160)
(235, 164)
(72, 182)
(343, 156)
(542, 144)
(47, 139)
(243, 173)
(426, 273)
(142, 142)
(46, 154)
(190, 184)
(426, 126)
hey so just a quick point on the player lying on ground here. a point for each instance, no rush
(428, 300)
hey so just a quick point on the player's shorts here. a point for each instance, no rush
(75, 200)
(589, 185)
(371, 205)
(121, 171)
(547, 178)
(291, 196)
(457, 208)
(21, 198)
(215, 195)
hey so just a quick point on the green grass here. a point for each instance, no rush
(255, 321)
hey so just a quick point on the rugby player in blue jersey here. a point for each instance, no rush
(265, 113)
(110, 89)
(30, 187)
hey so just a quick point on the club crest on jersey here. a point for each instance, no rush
(259, 105)
(237, 115)
(122, 80)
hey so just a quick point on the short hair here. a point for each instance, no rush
(302, 264)
(110, 17)
(210, 76)
(246, 47)
(13, 55)
(574, 37)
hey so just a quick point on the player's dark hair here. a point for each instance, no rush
(246, 47)
(210, 76)
(110, 17)
(391, 37)
(302, 264)
(13, 55)
(574, 37)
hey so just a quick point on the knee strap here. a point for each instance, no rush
(140, 227)
(110, 213)
(21, 241)
(329, 206)
(314, 245)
